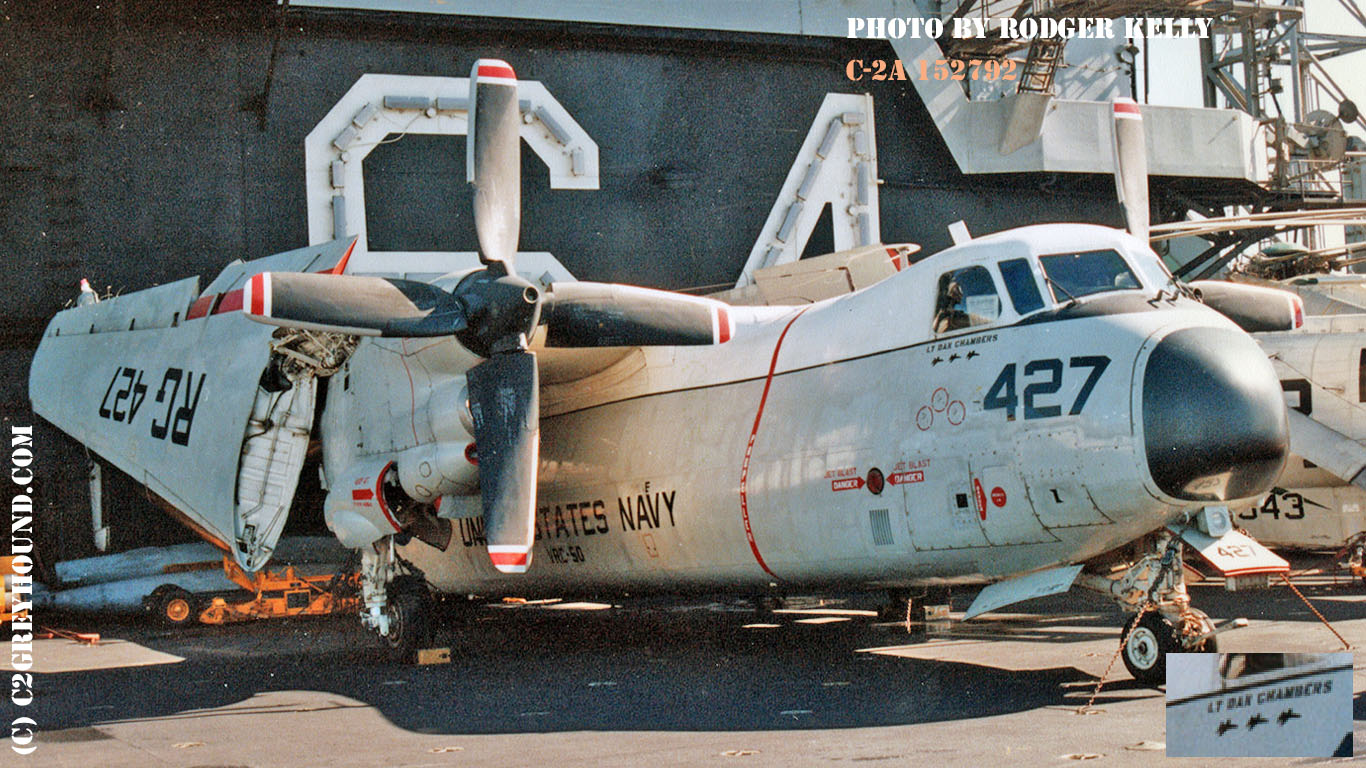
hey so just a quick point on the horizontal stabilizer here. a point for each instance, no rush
(1038, 584)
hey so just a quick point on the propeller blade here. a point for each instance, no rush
(1131, 167)
(505, 404)
(608, 315)
(493, 161)
(363, 306)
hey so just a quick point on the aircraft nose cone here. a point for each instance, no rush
(1214, 423)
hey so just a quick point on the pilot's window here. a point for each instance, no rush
(1073, 275)
(965, 298)
(1019, 279)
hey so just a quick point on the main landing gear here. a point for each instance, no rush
(1147, 578)
(395, 602)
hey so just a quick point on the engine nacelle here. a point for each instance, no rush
(363, 508)
(1254, 308)
(432, 470)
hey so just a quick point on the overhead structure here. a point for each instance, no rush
(836, 168)
(383, 108)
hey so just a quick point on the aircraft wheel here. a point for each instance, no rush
(1146, 647)
(173, 606)
(409, 619)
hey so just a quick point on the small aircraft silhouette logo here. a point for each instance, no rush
(1226, 726)
(1287, 716)
(1255, 720)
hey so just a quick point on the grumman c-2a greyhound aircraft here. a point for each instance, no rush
(1034, 406)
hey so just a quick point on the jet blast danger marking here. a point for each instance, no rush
(848, 484)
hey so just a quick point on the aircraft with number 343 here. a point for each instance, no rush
(1036, 408)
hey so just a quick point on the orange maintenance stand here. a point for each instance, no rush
(274, 594)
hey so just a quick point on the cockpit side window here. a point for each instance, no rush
(1073, 275)
(965, 298)
(1019, 279)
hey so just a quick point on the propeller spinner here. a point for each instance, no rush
(493, 313)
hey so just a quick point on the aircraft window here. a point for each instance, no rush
(966, 298)
(1019, 278)
(1073, 275)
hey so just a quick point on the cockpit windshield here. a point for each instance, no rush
(1073, 275)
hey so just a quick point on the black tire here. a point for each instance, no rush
(1145, 649)
(173, 606)
(409, 612)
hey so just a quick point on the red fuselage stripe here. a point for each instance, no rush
(749, 449)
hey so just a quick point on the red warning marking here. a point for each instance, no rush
(362, 494)
(723, 321)
(981, 498)
(902, 478)
(472, 454)
(998, 496)
(851, 484)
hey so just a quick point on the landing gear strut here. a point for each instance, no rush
(395, 604)
(1149, 579)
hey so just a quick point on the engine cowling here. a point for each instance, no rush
(364, 508)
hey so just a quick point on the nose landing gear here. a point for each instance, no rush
(1147, 578)
(1154, 635)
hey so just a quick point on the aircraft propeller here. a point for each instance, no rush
(1131, 166)
(493, 312)
(1253, 308)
